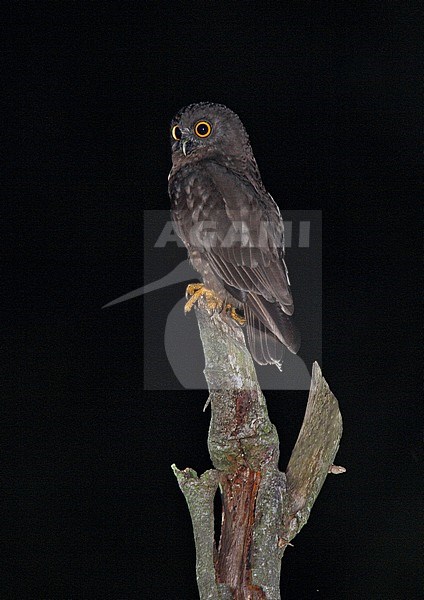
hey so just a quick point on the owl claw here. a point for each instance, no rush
(194, 291)
(191, 289)
(232, 312)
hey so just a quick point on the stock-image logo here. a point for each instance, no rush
(169, 332)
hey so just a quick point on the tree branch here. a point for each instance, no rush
(262, 508)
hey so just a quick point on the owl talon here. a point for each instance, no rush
(232, 312)
(193, 293)
(192, 288)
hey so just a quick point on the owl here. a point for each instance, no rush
(231, 227)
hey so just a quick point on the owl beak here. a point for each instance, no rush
(187, 142)
(187, 146)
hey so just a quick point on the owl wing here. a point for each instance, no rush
(240, 233)
(249, 253)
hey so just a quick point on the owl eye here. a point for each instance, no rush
(176, 133)
(202, 129)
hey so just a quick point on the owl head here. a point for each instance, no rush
(207, 130)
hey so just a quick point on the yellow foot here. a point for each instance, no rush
(229, 308)
(193, 293)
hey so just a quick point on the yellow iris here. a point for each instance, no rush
(202, 129)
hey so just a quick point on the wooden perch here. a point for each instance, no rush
(262, 508)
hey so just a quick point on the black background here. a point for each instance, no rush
(90, 507)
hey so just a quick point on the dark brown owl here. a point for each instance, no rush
(231, 226)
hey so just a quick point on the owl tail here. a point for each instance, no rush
(269, 329)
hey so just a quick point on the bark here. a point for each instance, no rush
(262, 508)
